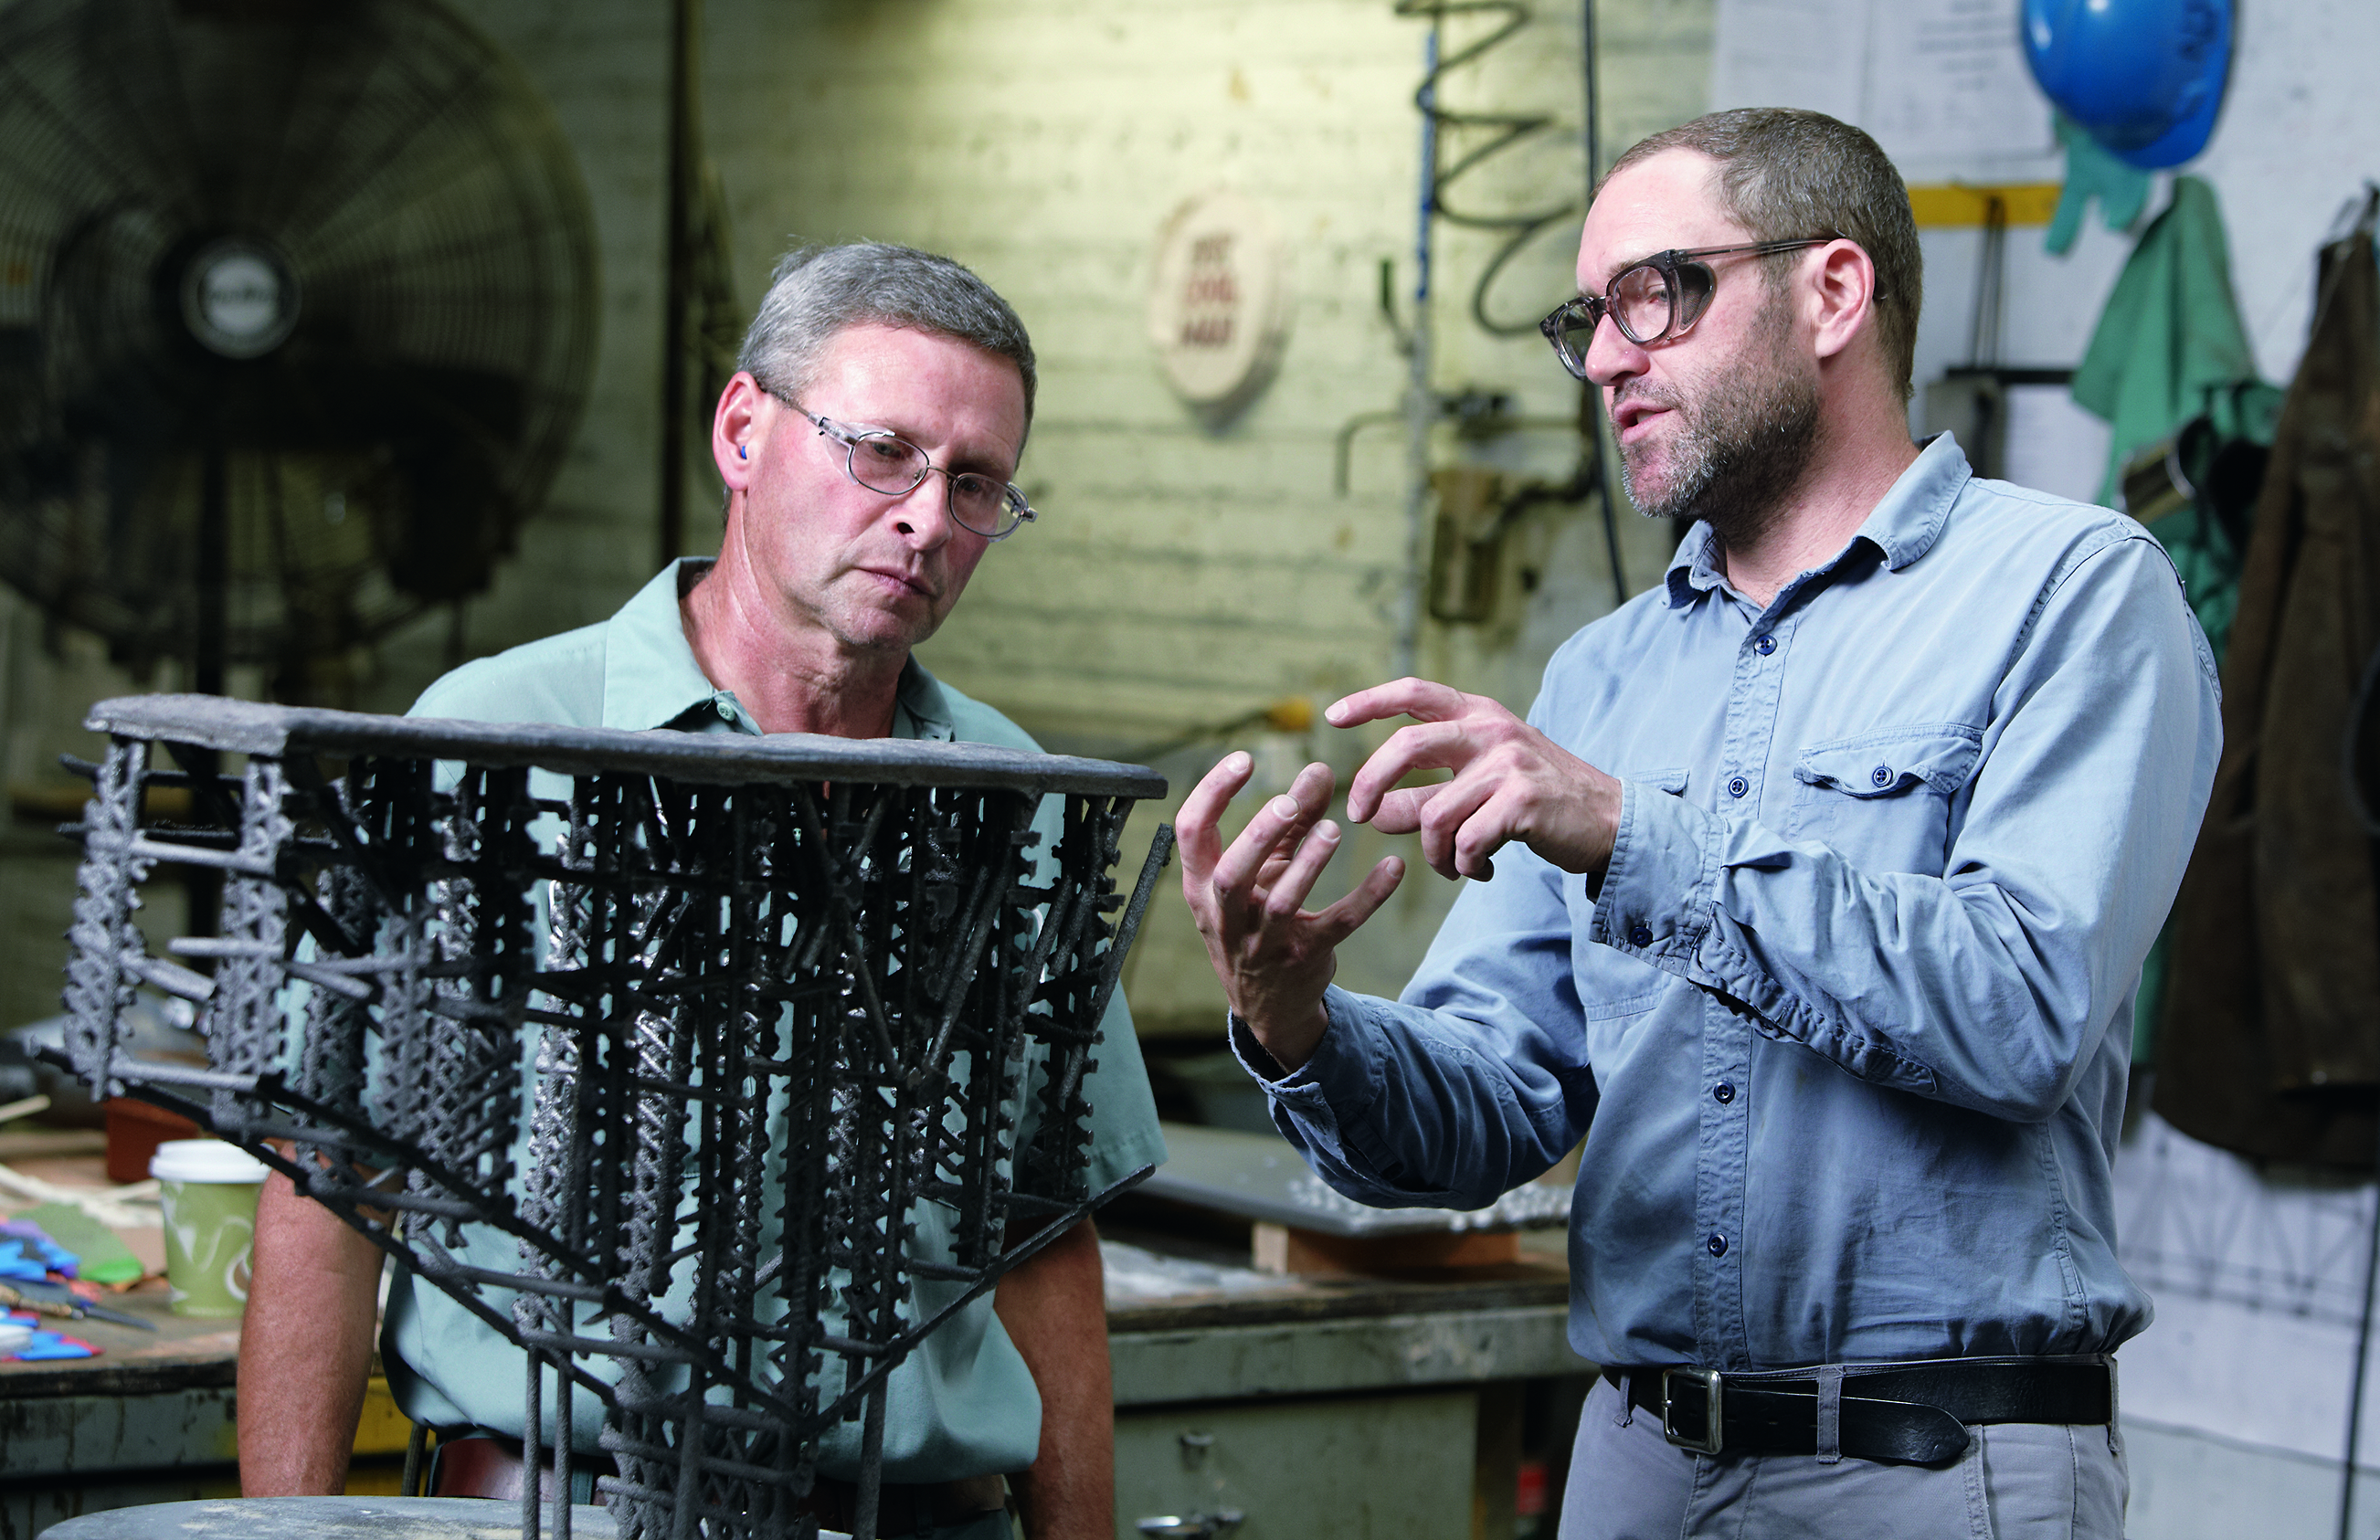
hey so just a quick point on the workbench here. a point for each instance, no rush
(1325, 1407)
(149, 1420)
(1315, 1407)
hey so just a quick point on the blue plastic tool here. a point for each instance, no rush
(46, 1344)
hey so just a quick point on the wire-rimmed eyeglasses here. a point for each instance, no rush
(884, 462)
(1650, 301)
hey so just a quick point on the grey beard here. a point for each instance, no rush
(1747, 439)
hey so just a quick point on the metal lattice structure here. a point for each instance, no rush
(789, 988)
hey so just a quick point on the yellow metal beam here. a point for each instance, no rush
(1955, 205)
(382, 1429)
(381, 1433)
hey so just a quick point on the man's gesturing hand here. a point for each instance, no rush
(1273, 955)
(1510, 783)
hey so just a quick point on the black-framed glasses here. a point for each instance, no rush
(884, 462)
(1659, 297)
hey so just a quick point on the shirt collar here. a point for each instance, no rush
(1907, 523)
(1694, 569)
(920, 708)
(651, 679)
(1903, 525)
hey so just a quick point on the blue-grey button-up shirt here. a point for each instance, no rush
(1845, 1023)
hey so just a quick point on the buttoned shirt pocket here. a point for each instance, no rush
(1883, 798)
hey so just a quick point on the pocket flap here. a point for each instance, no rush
(1672, 780)
(1938, 758)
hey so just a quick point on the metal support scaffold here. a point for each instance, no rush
(699, 1021)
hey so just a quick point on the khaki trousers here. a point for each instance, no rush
(2016, 1481)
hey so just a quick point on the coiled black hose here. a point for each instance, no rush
(1505, 130)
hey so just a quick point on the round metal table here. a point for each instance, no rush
(322, 1519)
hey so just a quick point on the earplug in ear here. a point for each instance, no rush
(742, 453)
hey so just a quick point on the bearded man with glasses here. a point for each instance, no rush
(1811, 895)
(869, 443)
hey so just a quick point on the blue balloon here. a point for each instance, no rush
(2145, 77)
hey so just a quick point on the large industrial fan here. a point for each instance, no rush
(297, 315)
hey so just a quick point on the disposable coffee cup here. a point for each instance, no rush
(208, 1189)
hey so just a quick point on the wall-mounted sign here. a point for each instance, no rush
(1218, 301)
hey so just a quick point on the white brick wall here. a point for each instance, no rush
(1181, 577)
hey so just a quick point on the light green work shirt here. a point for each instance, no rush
(965, 1403)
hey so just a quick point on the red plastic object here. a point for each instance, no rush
(135, 1129)
(1529, 1500)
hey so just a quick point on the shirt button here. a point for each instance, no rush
(1640, 935)
(1723, 1093)
(1881, 775)
(1717, 1244)
(1738, 786)
(1764, 646)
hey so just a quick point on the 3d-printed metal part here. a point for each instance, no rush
(778, 994)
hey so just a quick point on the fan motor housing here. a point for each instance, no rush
(239, 296)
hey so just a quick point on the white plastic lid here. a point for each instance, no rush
(204, 1160)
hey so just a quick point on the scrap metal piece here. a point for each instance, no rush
(649, 1048)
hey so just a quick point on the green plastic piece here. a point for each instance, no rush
(105, 1259)
(2090, 172)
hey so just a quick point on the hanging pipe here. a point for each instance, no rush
(1421, 407)
(1505, 130)
(1590, 404)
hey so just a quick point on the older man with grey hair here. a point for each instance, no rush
(869, 443)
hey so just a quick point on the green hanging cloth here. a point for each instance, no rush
(2169, 345)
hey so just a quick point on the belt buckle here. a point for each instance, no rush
(1708, 1443)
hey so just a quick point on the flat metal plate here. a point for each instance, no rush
(325, 1519)
(1259, 1176)
(251, 727)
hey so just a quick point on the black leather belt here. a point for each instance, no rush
(1912, 1414)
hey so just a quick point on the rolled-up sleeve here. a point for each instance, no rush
(1474, 1082)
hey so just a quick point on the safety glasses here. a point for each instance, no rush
(1650, 301)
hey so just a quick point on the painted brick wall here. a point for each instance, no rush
(1182, 578)
(1178, 577)
(1185, 577)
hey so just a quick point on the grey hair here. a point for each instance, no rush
(817, 291)
(1786, 174)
